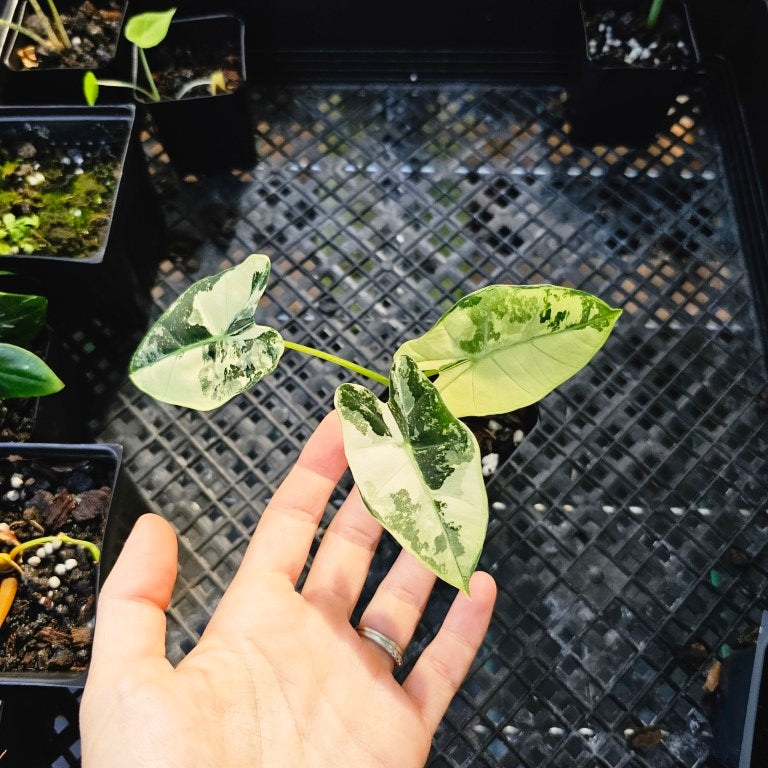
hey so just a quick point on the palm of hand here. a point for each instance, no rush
(278, 678)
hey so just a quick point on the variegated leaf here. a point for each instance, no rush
(507, 346)
(205, 348)
(418, 470)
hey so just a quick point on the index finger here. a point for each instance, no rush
(284, 534)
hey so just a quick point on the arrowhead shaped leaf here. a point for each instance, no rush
(149, 29)
(205, 348)
(24, 374)
(21, 316)
(418, 470)
(507, 346)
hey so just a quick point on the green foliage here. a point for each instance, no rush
(66, 212)
(146, 30)
(90, 88)
(417, 466)
(205, 348)
(24, 374)
(18, 233)
(21, 317)
(507, 346)
(418, 470)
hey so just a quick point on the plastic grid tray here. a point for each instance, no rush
(611, 523)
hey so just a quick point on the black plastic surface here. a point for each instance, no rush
(612, 523)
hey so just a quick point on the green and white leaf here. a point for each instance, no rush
(507, 346)
(418, 470)
(24, 374)
(21, 316)
(149, 29)
(205, 348)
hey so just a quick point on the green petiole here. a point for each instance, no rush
(339, 361)
(654, 13)
(90, 546)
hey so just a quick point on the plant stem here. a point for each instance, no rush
(145, 65)
(339, 361)
(654, 13)
(121, 84)
(53, 41)
(63, 36)
(41, 41)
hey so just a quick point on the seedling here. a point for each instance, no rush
(146, 31)
(56, 37)
(9, 584)
(417, 466)
(19, 233)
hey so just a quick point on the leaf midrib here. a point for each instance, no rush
(503, 347)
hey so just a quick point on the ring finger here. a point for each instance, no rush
(397, 605)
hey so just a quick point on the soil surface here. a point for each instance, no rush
(620, 37)
(57, 182)
(498, 436)
(93, 29)
(17, 419)
(50, 624)
(175, 70)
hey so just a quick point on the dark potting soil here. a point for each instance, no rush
(498, 436)
(187, 66)
(50, 624)
(17, 419)
(620, 37)
(93, 29)
(57, 185)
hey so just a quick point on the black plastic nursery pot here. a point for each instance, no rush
(201, 132)
(47, 489)
(93, 227)
(626, 99)
(29, 76)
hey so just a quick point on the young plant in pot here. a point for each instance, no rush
(190, 76)
(417, 465)
(45, 52)
(634, 59)
(24, 376)
(75, 211)
(54, 505)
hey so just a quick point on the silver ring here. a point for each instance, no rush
(390, 646)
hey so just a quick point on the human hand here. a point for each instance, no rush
(278, 679)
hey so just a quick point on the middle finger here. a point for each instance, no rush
(342, 561)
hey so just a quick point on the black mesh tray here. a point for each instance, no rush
(612, 523)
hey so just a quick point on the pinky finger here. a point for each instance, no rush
(444, 664)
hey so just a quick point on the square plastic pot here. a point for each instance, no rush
(55, 85)
(72, 463)
(113, 278)
(204, 133)
(614, 103)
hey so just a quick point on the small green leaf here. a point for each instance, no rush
(205, 348)
(148, 29)
(507, 346)
(90, 88)
(21, 317)
(418, 470)
(23, 374)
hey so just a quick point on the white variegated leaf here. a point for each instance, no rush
(418, 470)
(507, 346)
(205, 348)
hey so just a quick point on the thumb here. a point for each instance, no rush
(130, 620)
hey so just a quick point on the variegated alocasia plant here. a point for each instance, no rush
(417, 466)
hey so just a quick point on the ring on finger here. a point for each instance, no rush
(384, 642)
